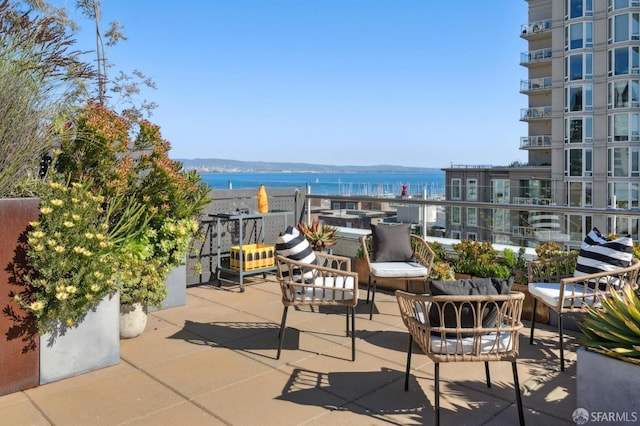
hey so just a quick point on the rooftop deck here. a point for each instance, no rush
(213, 362)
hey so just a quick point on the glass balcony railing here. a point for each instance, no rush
(532, 142)
(537, 27)
(536, 56)
(514, 222)
(536, 84)
(535, 113)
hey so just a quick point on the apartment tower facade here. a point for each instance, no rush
(583, 139)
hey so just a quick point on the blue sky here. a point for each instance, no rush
(346, 82)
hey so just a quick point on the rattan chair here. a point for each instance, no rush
(552, 283)
(330, 282)
(449, 329)
(418, 270)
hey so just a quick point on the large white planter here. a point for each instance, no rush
(176, 283)
(605, 385)
(93, 344)
(133, 320)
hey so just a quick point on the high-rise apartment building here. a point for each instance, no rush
(583, 140)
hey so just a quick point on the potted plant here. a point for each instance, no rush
(72, 291)
(611, 344)
(442, 269)
(32, 98)
(124, 156)
(319, 235)
(479, 259)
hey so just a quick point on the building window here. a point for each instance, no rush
(578, 36)
(623, 94)
(351, 206)
(623, 28)
(578, 98)
(501, 191)
(578, 129)
(577, 225)
(623, 195)
(456, 189)
(578, 162)
(622, 4)
(578, 8)
(336, 206)
(472, 236)
(472, 216)
(623, 127)
(579, 194)
(472, 189)
(624, 60)
(578, 67)
(501, 220)
(455, 235)
(456, 216)
(623, 162)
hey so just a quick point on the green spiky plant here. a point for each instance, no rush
(319, 235)
(614, 328)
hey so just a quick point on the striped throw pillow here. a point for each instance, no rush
(599, 254)
(292, 244)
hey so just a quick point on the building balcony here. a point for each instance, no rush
(537, 29)
(536, 85)
(535, 142)
(532, 200)
(535, 113)
(536, 56)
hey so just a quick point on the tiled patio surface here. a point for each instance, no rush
(212, 362)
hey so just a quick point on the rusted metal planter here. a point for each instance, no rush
(19, 341)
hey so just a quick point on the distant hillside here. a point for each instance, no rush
(226, 166)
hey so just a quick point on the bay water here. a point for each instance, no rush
(370, 183)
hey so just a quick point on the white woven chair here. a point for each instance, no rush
(330, 282)
(449, 329)
(417, 270)
(551, 282)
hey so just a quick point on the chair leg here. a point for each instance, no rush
(368, 288)
(373, 298)
(353, 333)
(518, 395)
(348, 321)
(533, 319)
(436, 368)
(486, 373)
(281, 333)
(561, 339)
(406, 374)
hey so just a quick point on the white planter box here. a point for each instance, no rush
(176, 283)
(608, 385)
(93, 344)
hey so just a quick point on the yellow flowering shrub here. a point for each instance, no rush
(71, 258)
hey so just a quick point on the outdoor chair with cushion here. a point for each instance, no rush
(571, 283)
(309, 278)
(392, 252)
(463, 328)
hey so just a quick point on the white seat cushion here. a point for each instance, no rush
(327, 293)
(398, 270)
(550, 294)
(491, 343)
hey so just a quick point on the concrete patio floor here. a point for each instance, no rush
(212, 362)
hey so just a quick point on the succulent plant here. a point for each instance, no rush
(319, 235)
(613, 328)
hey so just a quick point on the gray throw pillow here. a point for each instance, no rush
(481, 286)
(392, 242)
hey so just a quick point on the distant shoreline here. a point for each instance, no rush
(214, 165)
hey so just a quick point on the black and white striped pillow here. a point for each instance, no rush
(599, 254)
(292, 244)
